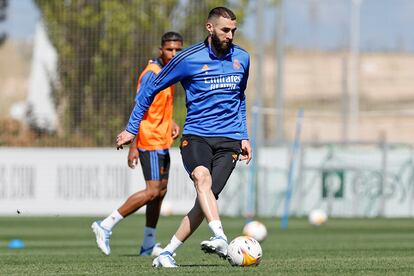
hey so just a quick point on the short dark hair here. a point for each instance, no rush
(171, 36)
(223, 12)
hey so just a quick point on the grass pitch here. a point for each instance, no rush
(66, 246)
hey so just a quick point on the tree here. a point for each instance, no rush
(3, 15)
(99, 44)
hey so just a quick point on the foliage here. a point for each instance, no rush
(3, 12)
(103, 46)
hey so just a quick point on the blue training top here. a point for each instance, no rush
(215, 99)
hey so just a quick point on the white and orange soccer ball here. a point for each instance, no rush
(317, 217)
(244, 251)
(256, 230)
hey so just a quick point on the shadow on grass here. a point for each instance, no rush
(184, 265)
(200, 265)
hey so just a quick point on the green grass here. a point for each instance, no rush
(66, 246)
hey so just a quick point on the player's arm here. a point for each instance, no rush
(175, 130)
(243, 85)
(246, 148)
(246, 153)
(133, 154)
(173, 72)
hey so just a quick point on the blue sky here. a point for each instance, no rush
(386, 25)
(22, 16)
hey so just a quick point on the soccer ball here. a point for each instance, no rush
(256, 230)
(244, 251)
(317, 217)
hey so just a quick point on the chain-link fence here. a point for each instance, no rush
(87, 56)
(347, 63)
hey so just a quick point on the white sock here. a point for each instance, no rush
(111, 220)
(149, 237)
(216, 228)
(173, 245)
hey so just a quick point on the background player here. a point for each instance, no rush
(156, 133)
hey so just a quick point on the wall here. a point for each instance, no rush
(357, 181)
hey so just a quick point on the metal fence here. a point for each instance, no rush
(87, 56)
(354, 180)
(347, 63)
(350, 71)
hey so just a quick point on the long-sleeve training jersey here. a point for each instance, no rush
(215, 98)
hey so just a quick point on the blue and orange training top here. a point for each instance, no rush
(156, 124)
(214, 86)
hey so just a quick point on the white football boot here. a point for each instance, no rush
(165, 259)
(216, 245)
(102, 237)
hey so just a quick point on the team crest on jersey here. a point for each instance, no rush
(235, 157)
(236, 64)
(184, 143)
(205, 67)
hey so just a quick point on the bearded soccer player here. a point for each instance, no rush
(214, 75)
(156, 133)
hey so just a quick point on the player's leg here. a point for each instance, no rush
(188, 225)
(198, 154)
(154, 206)
(103, 229)
(197, 157)
(226, 152)
(140, 198)
(149, 245)
(155, 166)
(202, 182)
(159, 189)
(224, 161)
(195, 153)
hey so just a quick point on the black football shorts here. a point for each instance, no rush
(218, 154)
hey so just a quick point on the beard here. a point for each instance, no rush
(222, 47)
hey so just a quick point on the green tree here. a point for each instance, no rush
(102, 47)
(3, 12)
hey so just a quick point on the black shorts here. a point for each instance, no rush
(218, 154)
(155, 164)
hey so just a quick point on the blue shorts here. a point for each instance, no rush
(155, 164)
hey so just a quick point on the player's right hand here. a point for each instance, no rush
(246, 153)
(132, 157)
(124, 138)
(175, 130)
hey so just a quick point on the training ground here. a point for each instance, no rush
(66, 246)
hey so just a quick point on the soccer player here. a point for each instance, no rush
(214, 75)
(156, 133)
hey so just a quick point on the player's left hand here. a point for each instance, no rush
(246, 151)
(133, 156)
(124, 138)
(175, 130)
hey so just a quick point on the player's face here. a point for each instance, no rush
(222, 33)
(169, 50)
